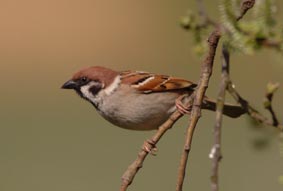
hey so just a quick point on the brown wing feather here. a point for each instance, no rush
(174, 84)
(147, 82)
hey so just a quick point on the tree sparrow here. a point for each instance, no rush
(133, 99)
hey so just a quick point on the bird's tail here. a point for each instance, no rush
(229, 110)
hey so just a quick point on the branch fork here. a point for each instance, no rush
(195, 101)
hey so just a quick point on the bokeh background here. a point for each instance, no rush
(52, 140)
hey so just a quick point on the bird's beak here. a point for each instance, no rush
(71, 84)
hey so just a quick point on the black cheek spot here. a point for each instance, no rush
(95, 88)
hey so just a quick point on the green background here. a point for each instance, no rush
(52, 140)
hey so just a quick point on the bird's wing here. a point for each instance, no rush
(148, 82)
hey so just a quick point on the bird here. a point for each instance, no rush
(137, 100)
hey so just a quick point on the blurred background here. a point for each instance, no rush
(52, 140)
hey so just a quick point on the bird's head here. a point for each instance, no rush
(90, 81)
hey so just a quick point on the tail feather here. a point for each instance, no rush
(229, 110)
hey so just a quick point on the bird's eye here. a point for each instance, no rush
(84, 79)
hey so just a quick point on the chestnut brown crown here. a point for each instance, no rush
(99, 74)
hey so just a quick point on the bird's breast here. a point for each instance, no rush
(137, 111)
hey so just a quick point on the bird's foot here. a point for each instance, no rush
(181, 107)
(149, 147)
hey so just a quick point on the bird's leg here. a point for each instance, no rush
(181, 107)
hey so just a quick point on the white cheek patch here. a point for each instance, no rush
(97, 98)
(113, 86)
(85, 90)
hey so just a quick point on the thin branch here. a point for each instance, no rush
(245, 6)
(197, 97)
(133, 169)
(201, 9)
(271, 89)
(215, 153)
(150, 144)
(269, 43)
(206, 71)
(252, 112)
(206, 20)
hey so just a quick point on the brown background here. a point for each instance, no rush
(52, 140)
